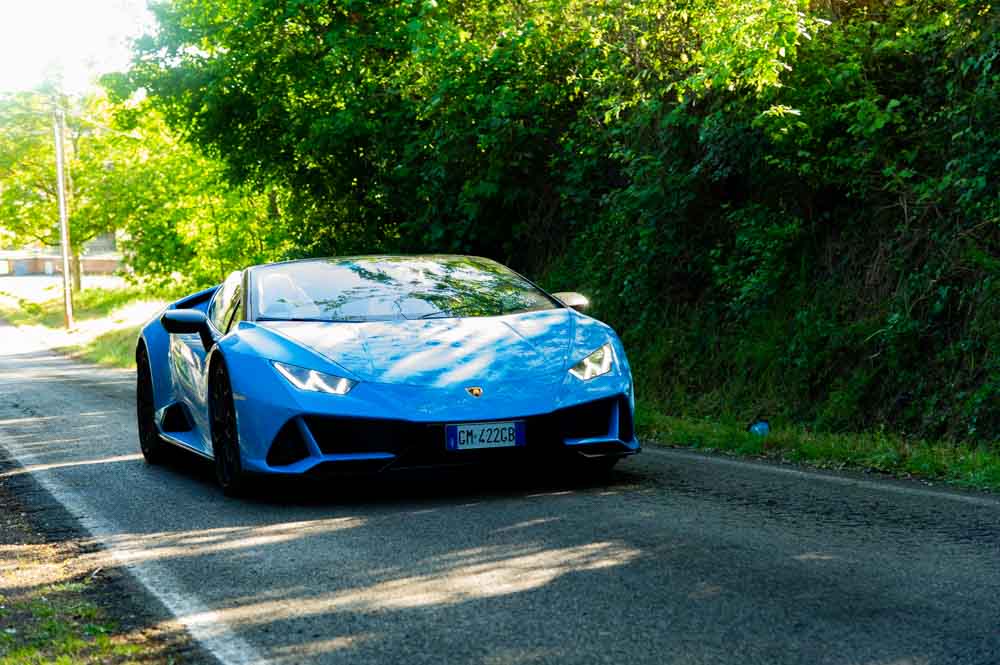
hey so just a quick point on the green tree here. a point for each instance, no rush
(180, 218)
(175, 213)
(784, 205)
(480, 126)
(29, 209)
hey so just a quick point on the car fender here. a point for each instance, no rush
(157, 342)
(264, 401)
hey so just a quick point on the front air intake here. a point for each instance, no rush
(591, 420)
(626, 428)
(288, 446)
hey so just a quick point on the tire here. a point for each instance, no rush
(154, 448)
(225, 434)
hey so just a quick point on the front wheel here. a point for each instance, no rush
(225, 435)
(154, 448)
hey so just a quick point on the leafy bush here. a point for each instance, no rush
(783, 207)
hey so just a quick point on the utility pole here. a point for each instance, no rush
(59, 127)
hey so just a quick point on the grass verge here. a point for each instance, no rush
(63, 601)
(957, 464)
(108, 319)
(56, 624)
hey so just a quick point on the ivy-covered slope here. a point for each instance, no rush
(827, 250)
(784, 207)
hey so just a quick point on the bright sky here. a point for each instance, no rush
(80, 38)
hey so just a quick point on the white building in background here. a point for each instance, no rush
(99, 258)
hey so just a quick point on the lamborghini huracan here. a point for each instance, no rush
(371, 363)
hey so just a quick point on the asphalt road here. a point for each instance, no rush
(678, 558)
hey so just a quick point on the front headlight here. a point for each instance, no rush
(596, 364)
(310, 379)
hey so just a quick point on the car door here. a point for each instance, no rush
(189, 369)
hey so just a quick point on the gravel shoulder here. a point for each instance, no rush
(61, 597)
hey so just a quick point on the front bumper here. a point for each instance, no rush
(315, 443)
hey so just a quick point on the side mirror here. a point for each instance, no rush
(577, 301)
(188, 322)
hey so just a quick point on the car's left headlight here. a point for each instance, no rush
(310, 379)
(596, 364)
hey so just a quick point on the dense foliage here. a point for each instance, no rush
(180, 218)
(784, 208)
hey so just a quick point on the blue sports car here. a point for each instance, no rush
(363, 364)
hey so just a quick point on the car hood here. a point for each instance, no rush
(443, 352)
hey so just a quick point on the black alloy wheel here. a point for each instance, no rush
(154, 448)
(225, 435)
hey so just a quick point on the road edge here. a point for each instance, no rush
(849, 477)
(77, 516)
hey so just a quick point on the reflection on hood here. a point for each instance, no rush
(442, 352)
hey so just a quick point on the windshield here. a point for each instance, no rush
(390, 288)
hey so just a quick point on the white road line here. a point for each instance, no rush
(882, 486)
(205, 626)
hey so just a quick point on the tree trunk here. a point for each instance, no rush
(272, 205)
(76, 270)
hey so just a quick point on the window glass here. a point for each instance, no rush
(234, 312)
(387, 288)
(222, 303)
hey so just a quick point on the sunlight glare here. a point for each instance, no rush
(78, 40)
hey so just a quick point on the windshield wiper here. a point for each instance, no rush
(275, 318)
(444, 313)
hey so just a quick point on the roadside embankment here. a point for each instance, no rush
(108, 314)
(880, 452)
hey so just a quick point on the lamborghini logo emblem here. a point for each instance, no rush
(475, 391)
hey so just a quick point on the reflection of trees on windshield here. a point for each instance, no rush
(470, 288)
(385, 288)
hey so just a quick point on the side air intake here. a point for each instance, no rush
(590, 420)
(176, 419)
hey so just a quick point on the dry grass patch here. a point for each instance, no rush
(107, 315)
(62, 602)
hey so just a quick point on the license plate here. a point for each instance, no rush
(476, 436)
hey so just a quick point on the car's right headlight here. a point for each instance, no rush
(596, 364)
(309, 379)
